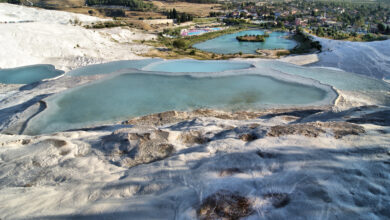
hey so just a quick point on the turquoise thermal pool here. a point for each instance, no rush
(161, 66)
(336, 78)
(28, 74)
(227, 44)
(106, 68)
(196, 66)
(137, 93)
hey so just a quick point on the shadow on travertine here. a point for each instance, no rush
(210, 168)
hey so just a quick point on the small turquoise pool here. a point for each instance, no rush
(28, 74)
(196, 66)
(106, 68)
(138, 93)
(193, 32)
(227, 44)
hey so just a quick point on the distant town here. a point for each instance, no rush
(355, 21)
(336, 20)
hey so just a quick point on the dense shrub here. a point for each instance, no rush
(180, 43)
(113, 12)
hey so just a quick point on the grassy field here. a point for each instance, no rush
(205, 20)
(201, 10)
(77, 6)
(133, 18)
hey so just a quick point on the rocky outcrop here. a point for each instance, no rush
(159, 118)
(308, 130)
(339, 129)
(248, 137)
(278, 200)
(225, 205)
(177, 116)
(229, 172)
(193, 137)
(131, 147)
(381, 118)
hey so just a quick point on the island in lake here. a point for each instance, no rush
(253, 38)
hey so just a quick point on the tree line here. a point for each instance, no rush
(198, 1)
(180, 17)
(137, 5)
(11, 1)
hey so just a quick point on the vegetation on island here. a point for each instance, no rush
(251, 38)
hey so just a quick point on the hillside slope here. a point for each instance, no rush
(50, 38)
(55, 3)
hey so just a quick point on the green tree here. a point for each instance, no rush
(381, 27)
(174, 13)
(180, 43)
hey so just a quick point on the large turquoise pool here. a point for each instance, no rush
(137, 93)
(196, 66)
(28, 74)
(227, 44)
(161, 66)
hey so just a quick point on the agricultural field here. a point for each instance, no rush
(195, 9)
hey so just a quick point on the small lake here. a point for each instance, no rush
(28, 74)
(137, 93)
(227, 44)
